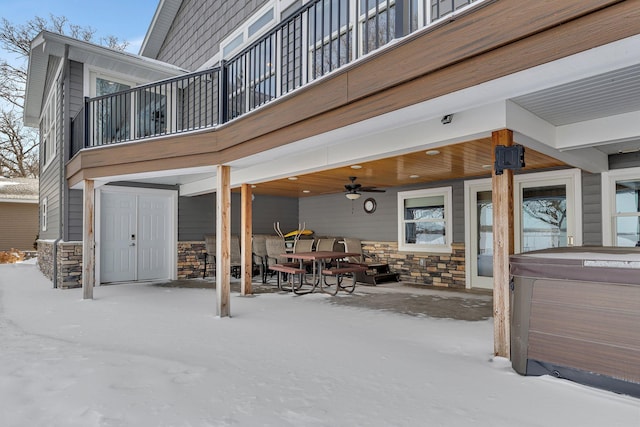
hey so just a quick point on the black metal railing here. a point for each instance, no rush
(172, 106)
(320, 37)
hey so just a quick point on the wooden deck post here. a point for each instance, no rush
(223, 240)
(245, 240)
(88, 240)
(503, 245)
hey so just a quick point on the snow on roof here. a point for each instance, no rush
(19, 189)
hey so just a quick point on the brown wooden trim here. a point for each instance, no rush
(88, 240)
(223, 240)
(322, 107)
(503, 245)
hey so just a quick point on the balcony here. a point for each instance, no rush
(319, 38)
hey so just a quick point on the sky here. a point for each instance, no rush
(144, 355)
(127, 20)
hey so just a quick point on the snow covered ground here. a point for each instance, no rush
(143, 355)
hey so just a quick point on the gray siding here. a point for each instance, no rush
(73, 198)
(198, 28)
(335, 215)
(591, 209)
(197, 215)
(621, 161)
(74, 205)
(76, 87)
(50, 173)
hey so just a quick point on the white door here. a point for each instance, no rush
(117, 237)
(153, 237)
(135, 236)
(547, 214)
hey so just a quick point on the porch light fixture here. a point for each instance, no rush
(432, 152)
(446, 119)
(293, 178)
(356, 167)
(353, 196)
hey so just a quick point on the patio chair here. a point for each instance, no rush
(236, 257)
(377, 272)
(259, 254)
(303, 245)
(325, 244)
(209, 254)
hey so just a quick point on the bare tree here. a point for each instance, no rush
(17, 143)
(18, 147)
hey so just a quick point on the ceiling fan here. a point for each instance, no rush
(354, 189)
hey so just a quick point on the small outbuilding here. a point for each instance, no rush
(18, 213)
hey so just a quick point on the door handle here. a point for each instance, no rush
(132, 244)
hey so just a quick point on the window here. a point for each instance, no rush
(43, 218)
(250, 30)
(621, 207)
(48, 128)
(424, 220)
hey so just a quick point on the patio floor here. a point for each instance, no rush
(398, 297)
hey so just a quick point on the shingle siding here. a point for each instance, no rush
(198, 28)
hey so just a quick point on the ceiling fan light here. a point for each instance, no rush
(353, 196)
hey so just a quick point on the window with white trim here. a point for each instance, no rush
(48, 128)
(43, 216)
(621, 207)
(251, 29)
(424, 220)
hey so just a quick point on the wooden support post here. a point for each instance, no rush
(88, 240)
(245, 241)
(223, 240)
(503, 245)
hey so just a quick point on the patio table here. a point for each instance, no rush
(321, 270)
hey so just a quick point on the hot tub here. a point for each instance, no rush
(575, 314)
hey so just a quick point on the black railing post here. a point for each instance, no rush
(86, 123)
(223, 96)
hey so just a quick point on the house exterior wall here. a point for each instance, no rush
(199, 27)
(18, 225)
(50, 172)
(622, 161)
(591, 209)
(73, 204)
(196, 215)
(335, 215)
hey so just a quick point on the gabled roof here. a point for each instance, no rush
(48, 44)
(159, 28)
(22, 190)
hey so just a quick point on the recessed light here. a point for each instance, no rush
(253, 186)
(356, 167)
(293, 178)
(306, 191)
(414, 176)
(487, 166)
(432, 152)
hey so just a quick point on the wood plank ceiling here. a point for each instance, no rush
(463, 160)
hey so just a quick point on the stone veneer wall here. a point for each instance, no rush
(191, 260)
(45, 258)
(69, 265)
(447, 270)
